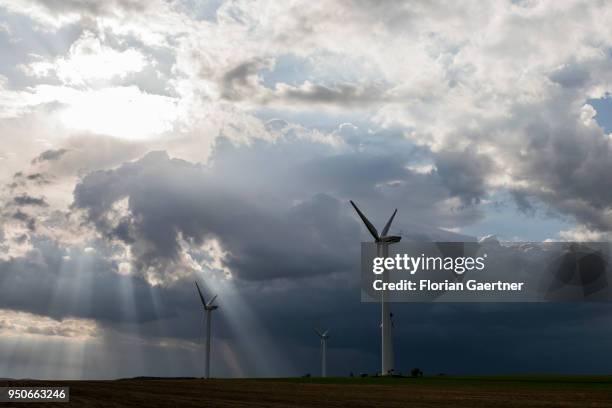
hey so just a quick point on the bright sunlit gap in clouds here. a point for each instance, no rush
(92, 97)
(88, 61)
(124, 112)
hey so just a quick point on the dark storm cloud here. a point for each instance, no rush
(522, 202)
(563, 163)
(443, 338)
(48, 155)
(25, 200)
(276, 221)
(168, 197)
(464, 173)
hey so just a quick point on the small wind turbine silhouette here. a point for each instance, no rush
(208, 308)
(324, 336)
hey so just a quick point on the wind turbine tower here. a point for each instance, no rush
(324, 337)
(208, 308)
(382, 243)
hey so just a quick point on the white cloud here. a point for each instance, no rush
(125, 112)
(89, 60)
(29, 325)
(583, 234)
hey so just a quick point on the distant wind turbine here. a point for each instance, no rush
(382, 243)
(324, 336)
(208, 308)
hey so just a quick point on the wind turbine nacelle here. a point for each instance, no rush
(391, 239)
(213, 307)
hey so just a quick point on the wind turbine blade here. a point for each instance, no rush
(200, 293)
(367, 222)
(386, 229)
(211, 301)
(318, 332)
(325, 332)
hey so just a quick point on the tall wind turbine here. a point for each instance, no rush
(324, 336)
(208, 308)
(382, 243)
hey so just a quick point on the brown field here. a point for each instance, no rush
(369, 392)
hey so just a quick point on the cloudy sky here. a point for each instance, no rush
(147, 144)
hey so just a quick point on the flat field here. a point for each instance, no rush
(443, 391)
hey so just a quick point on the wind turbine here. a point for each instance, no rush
(208, 308)
(324, 336)
(382, 243)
